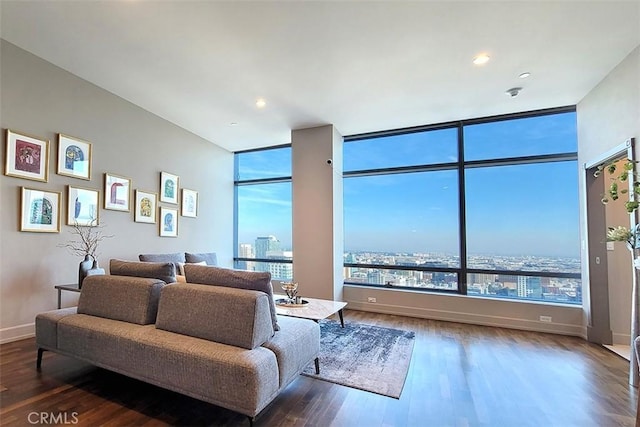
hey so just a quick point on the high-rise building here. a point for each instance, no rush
(265, 247)
(245, 251)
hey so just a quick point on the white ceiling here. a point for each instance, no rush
(361, 66)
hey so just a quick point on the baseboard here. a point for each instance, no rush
(474, 319)
(621, 339)
(17, 333)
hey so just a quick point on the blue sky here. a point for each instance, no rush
(511, 210)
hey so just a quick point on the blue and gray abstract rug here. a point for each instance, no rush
(365, 357)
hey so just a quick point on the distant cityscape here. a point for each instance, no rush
(512, 286)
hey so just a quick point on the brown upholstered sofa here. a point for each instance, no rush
(214, 343)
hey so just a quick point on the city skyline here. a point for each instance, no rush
(510, 210)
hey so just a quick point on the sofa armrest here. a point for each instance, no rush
(47, 327)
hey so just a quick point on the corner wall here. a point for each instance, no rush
(43, 100)
(607, 117)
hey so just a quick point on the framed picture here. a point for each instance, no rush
(83, 206)
(74, 157)
(168, 188)
(27, 157)
(168, 222)
(117, 192)
(145, 209)
(189, 203)
(39, 211)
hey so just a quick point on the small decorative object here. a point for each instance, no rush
(95, 269)
(291, 289)
(168, 188)
(145, 207)
(168, 222)
(40, 211)
(82, 206)
(117, 192)
(27, 157)
(74, 157)
(86, 245)
(83, 268)
(189, 203)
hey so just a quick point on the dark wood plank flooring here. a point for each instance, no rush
(460, 375)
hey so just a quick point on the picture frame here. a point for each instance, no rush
(117, 192)
(26, 156)
(83, 206)
(189, 203)
(168, 222)
(39, 210)
(74, 157)
(145, 207)
(169, 187)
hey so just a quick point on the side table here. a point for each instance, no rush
(70, 288)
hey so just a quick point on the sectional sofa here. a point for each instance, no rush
(220, 344)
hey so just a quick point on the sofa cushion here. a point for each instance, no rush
(295, 345)
(209, 257)
(165, 271)
(180, 271)
(253, 280)
(47, 327)
(129, 299)
(172, 257)
(229, 316)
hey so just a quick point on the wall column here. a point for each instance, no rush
(318, 245)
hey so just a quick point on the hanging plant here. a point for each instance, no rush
(619, 184)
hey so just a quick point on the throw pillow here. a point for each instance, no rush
(240, 279)
(174, 258)
(209, 257)
(165, 271)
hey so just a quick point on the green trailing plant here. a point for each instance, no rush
(619, 175)
(619, 183)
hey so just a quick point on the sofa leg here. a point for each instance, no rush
(39, 360)
(317, 362)
(251, 419)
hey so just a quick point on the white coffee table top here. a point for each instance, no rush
(316, 309)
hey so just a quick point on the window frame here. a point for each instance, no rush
(237, 183)
(463, 271)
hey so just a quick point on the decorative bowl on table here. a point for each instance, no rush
(291, 289)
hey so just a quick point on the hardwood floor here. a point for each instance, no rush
(460, 375)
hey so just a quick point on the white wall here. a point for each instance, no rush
(317, 211)
(607, 116)
(41, 99)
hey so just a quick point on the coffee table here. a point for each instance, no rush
(316, 309)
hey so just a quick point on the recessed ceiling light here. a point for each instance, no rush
(481, 59)
(513, 92)
(233, 124)
(261, 103)
(524, 75)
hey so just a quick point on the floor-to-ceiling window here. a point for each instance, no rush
(263, 211)
(485, 207)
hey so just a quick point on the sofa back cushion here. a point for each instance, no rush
(172, 257)
(240, 279)
(229, 316)
(210, 258)
(130, 299)
(165, 271)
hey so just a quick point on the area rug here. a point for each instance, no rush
(365, 357)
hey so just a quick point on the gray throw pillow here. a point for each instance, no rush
(240, 279)
(174, 258)
(165, 271)
(209, 257)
